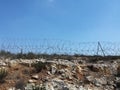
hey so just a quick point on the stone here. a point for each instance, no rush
(78, 69)
(35, 77)
(81, 88)
(53, 69)
(32, 81)
(49, 86)
(68, 75)
(42, 60)
(2, 63)
(103, 80)
(49, 73)
(90, 78)
(78, 74)
(58, 84)
(71, 87)
(29, 86)
(109, 87)
(12, 88)
(94, 68)
(12, 63)
(61, 71)
(100, 81)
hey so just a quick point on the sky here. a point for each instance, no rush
(75, 20)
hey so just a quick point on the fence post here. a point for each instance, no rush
(21, 51)
(99, 47)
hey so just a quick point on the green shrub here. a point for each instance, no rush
(3, 74)
(39, 66)
(6, 54)
(31, 55)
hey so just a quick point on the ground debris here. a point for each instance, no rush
(62, 75)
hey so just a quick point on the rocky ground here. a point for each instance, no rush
(60, 74)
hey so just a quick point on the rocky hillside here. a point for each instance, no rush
(59, 74)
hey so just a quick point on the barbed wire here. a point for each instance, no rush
(52, 46)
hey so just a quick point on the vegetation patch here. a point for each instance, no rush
(3, 74)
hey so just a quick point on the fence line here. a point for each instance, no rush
(51, 46)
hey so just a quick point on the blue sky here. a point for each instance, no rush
(75, 20)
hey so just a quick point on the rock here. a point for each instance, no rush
(113, 68)
(12, 63)
(29, 86)
(49, 86)
(90, 78)
(71, 87)
(81, 88)
(49, 73)
(58, 84)
(61, 71)
(109, 87)
(118, 70)
(5, 68)
(78, 69)
(32, 81)
(35, 77)
(103, 80)
(2, 63)
(46, 79)
(42, 60)
(100, 81)
(81, 61)
(105, 69)
(97, 81)
(69, 75)
(53, 69)
(12, 88)
(65, 73)
(111, 83)
(94, 68)
(78, 74)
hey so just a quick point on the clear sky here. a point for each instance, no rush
(75, 20)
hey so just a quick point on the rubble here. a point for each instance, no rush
(65, 75)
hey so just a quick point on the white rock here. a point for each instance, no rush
(49, 86)
(13, 88)
(81, 88)
(90, 78)
(53, 69)
(35, 77)
(29, 86)
(32, 81)
(12, 63)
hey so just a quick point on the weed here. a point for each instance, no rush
(39, 66)
(3, 74)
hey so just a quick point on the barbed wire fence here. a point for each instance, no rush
(55, 46)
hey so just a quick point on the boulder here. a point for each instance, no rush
(12, 63)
